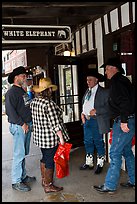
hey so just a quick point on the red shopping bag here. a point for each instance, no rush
(61, 160)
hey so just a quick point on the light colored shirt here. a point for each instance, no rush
(89, 104)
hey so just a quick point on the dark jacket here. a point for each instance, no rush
(102, 109)
(17, 106)
(122, 97)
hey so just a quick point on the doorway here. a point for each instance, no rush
(69, 74)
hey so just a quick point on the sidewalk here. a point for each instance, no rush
(77, 186)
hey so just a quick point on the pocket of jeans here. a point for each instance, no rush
(12, 129)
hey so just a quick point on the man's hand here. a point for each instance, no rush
(25, 128)
(93, 112)
(124, 127)
(83, 118)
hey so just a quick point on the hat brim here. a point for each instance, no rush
(120, 68)
(11, 78)
(17, 71)
(99, 76)
(38, 89)
(103, 66)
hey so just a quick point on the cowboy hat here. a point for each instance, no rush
(44, 83)
(17, 71)
(114, 61)
(94, 73)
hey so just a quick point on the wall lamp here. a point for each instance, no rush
(68, 51)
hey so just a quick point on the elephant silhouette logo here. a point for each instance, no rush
(61, 34)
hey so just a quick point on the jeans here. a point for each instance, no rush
(93, 137)
(21, 147)
(48, 157)
(121, 146)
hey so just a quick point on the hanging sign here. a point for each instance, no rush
(35, 34)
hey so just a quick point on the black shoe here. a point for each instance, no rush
(103, 189)
(128, 185)
(85, 167)
(29, 179)
(98, 169)
(21, 187)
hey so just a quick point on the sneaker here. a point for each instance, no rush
(127, 185)
(29, 179)
(21, 187)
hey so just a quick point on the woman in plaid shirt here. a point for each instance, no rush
(48, 130)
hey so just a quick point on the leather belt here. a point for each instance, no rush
(87, 117)
(131, 116)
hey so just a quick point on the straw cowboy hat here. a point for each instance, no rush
(115, 62)
(17, 71)
(94, 73)
(44, 83)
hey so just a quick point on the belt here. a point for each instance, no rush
(89, 116)
(131, 116)
(118, 117)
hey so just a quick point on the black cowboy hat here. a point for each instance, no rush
(114, 61)
(94, 73)
(16, 71)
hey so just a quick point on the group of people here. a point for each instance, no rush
(45, 117)
(117, 103)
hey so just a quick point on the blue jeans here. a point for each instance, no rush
(48, 157)
(92, 137)
(121, 146)
(21, 147)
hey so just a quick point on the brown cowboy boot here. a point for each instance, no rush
(49, 187)
(42, 167)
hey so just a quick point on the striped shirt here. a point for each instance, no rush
(47, 119)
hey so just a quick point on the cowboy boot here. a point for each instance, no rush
(42, 168)
(89, 162)
(100, 164)
(49, 187)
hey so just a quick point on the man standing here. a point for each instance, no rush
(19, 116)
(95, 119)
(122, 105)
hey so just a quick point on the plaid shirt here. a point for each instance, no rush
(47, 119)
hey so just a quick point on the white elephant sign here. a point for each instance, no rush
(35, 34)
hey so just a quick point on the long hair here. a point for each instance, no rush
(46, 94)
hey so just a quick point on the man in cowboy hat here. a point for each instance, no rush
(115, 62)
(19, 116)
(122, 107)
(95, 119)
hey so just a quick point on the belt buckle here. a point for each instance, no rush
(131, 116)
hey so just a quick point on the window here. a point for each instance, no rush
(68, 88)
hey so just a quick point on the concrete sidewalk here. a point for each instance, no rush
(77, 186)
